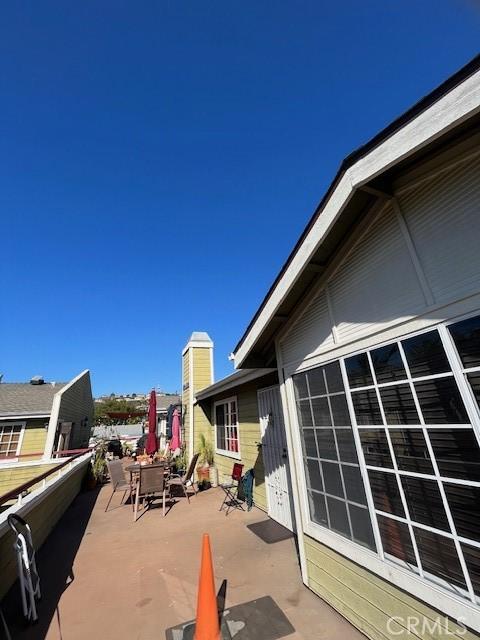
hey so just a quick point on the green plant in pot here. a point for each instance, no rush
(98, 467)
(205, 462)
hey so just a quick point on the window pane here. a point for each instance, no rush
(304, 413)
(457, 453)
(332, 479)
(314, 479)
(375, 448)
(411, 450)
(385, 492)
(220, 415)
(337, 511)
(326, 444)
(309, 443)
(425, 354)
(354, 484)
(398, 405)
(466, 335)
(464, 503)
(321, 412)
(387, 363)
(358, 371)
(425, 502)
(340, 414)
(346, 445)
(300, 385)
(472, 560)
(396, 539)
(334, 377)
(365, 405)
(361, 526)
(220, 437)
(440, 401)
(474, 380)
(318, 510)
(316, 382)
(439, 557)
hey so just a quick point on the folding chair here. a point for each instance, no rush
(150, 483)
(231, 499)
(27, 568)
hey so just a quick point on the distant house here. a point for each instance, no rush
(39, 417)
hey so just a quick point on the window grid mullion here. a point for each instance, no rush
(323, 478)
(361, 461)
(339, 466)
(395, 466)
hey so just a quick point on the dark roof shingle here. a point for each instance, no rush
(25, 399)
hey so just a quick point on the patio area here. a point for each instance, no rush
(104, 576)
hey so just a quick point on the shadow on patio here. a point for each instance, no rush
(104, 576)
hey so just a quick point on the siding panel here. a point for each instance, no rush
(311, 332)
(377, 284)
(443, 215)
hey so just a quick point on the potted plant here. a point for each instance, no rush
(205, 462)
(98, 466)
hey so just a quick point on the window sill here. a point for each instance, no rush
(229, 454)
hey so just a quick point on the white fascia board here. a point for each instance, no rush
(459, 104)
(231, 382)
(201, 344)
(25, 416)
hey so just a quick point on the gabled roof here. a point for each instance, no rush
(436, 115)
(22, 399)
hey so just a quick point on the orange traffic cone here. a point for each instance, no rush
(206, 626)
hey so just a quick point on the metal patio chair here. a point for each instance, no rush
(151, 483)
(231, 499)
(118, 480)
(183, 481)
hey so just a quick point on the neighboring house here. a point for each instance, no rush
(38, 417)
(373, 327)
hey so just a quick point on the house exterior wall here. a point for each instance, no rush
(34, 437)
(249, 435)
(415, 265)
(18, 474)
(76, 406)
(186, 400)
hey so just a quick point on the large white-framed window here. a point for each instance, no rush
(413, 407)
(11, 436)
(227, 440)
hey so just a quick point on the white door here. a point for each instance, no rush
(275, 456)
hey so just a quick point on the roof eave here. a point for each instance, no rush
(459, 101)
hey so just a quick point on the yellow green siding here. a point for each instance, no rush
(202, 367)
(34, 438)
(249, 435)
(42, 517)
(15, 476)
(366, 600)
(186, 396)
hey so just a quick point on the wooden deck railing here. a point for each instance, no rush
(20, 490)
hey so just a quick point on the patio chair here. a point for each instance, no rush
(182, 481)
(118, 480)
(151, 482)
(231, 499)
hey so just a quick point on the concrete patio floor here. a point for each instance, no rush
(104, 576)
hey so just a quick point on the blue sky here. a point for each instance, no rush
(158, 161)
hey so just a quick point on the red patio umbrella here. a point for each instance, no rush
(175, 442)
(152, 444)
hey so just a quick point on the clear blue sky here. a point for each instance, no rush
(158, 161)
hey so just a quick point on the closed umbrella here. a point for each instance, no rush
(152, 444)
(175, 441)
